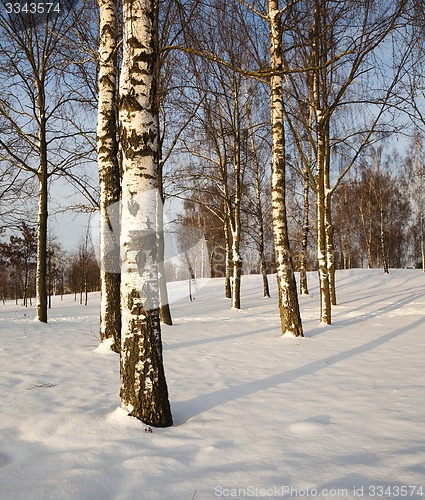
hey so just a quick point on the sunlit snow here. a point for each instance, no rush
(340, 410)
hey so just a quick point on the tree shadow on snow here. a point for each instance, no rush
(365, 316)
(185, 410)
(210, 340)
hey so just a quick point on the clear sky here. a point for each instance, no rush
(67, 223)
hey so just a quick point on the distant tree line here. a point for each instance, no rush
(75, 272)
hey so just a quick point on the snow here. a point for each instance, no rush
(289, 334)
(105, 346)
(338, 413)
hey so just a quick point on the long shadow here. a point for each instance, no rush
(384, 309)
(397, 293)
(348, 281)
(205, 402)
(367, 315)
(322, 329)
(209, 340)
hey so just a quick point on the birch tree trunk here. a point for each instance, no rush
(421, 207)
(379, 194)
(325, 298)
(237, 264)
(259, 209)
(287, 287)
(41, 272)
(109, 177)
(367, 232)
(235, 210)
(263, 270)
(227, 279)
(305, 231)
(164, 305)
(144, 390)
(321, 126)
(329, 229)
(330, 248)
(307, 168)
(382, 237)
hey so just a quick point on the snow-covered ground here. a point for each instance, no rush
(339, 413)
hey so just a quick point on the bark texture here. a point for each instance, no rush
(259, 209)
(320, 108)
(228, 273)
(235, 203)
(329, 229)
(109, 177)
(420, 173)
(41, 273)
(144, 390)
(164, 308)
(304, 241)
(287, 288)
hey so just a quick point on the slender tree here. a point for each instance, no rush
(258, 181)
(419, 172)
(37, 137)
(109, 176)
(287, 287)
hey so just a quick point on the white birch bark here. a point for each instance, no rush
(143, 387)
(420, 173)
(109, 177)
(237, 266)
(287, 288)
(325, 299)
(227, 278)
(164, 307)
(41, 271)
(306, 217)
(259, 210)
(329, 229)
(42, 174)
(382, 237)
(235, 209)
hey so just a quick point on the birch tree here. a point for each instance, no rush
(271, 17)
(305, 231)
(287, 287)
(144, 390)
(37, 137)
(222, 123)
(337, 53)
(380, 195)
(259, 177)
(414, 105)
(109, 176)
(418, 171)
